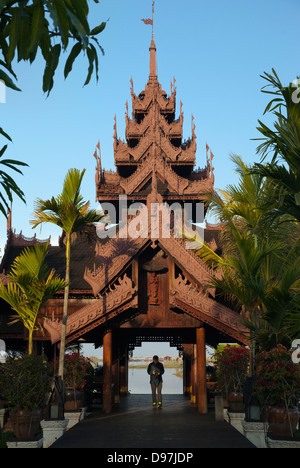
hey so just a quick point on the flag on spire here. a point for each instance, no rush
(148, 21)
(98, 145)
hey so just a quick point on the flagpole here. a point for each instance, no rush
(153, 19)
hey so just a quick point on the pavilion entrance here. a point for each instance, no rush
(141, 356)
(118, 345)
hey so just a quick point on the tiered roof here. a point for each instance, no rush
(154, 147)
(154, 164)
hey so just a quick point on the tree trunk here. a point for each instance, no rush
(30, 342)
(65, 311)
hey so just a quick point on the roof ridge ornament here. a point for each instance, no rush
(153, 73)
(98, 175)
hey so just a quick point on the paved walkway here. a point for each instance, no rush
(135, 424)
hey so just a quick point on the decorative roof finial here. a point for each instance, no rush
(150, 21)
(98, 175)
(152, 48)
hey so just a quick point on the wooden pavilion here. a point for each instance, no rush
(126, 289)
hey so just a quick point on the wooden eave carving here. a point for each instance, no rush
(112, 182)
(115, 256)
(194, 302)
(188, 261)
(153, 92)
(185, 153)
(117, 299)
(138, 130)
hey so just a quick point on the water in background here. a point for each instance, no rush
(139, 381)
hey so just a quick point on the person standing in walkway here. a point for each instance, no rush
(156, 370)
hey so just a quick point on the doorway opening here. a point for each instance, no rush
(140, 358)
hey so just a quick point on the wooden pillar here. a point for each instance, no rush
(188, 376)
(201, 371)
(107, 373)
(124, 373)
(116, 380)
(194, 377)
(184, 375)
(187, 366)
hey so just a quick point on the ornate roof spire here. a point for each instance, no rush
(153, 74)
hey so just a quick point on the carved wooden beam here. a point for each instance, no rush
(187, 298)
(99, 311)
(188, 261)
(114, 255)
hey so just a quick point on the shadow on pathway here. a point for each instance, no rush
(135, 424)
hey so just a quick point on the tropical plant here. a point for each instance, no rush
(71, 213)
(30, 285)
(46, 26)
(278, 378)
(276, 321)
(77, 370)
(283, 143)
(7, 183)
(25, 381)
(232, 368)
(258, 270)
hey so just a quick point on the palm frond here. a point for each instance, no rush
(30, 284)
(7, 183)
(68, 210)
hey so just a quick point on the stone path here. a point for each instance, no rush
(135, 424)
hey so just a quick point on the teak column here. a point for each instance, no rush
(124, 372)
(194, 376)
(107, 373)
(116, 380)
(201, 371)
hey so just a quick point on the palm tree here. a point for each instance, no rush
(7, 183)
(30, 285)
(279, 308)
(259, 268)
(283, 142)
(72, 214)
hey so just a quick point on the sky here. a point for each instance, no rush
(215, 50)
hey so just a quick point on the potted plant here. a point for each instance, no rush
(278, 389)
(232, 371)
(24, 383)
(77, 376)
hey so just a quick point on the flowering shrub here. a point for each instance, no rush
(278, 377)
(77, 370)
(232, 368)
(24, 381)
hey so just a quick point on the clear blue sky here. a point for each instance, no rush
(215, 50)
